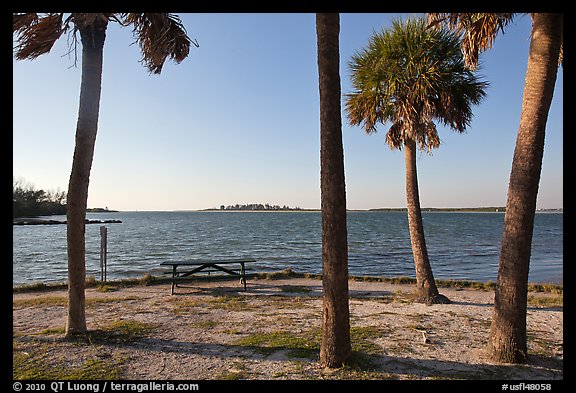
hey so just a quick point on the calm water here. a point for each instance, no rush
(460, 245)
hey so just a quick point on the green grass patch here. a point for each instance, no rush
(51, 331)
(37, 365)
(119, 332)
(39, 286)
(122, 331)
(207, 324)
(466, 284)
(306, 344)
(546, 301)
(127, 330)
(230, 303)
(284, 302)
(362, 338)
(286, 273)
(48, 301)
(548, 288)
(106, 288)
(41, 301)
(92, 301)
(182, 306)
(295, 288)
(298, 345)
(396, 297)
(236, 372)
(91, 282)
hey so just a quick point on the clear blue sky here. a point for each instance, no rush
(238, 122)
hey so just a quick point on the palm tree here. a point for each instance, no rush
(160, 36)
(410, 76)
(336, 346)
(508, 342)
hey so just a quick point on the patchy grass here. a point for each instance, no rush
(107, 288)
(119, 331)
(223, 302)
(92, 282)
(51, 331)
(148, 279)
(546, 301)
(283, 302)
(35, 360)
(396, 297)
(549, 288)
(295, 288)
(38, 287)
(468, 284)
(49, 301)
(184, 305)
(123, 331)
(286, 273)
(298, 345)
(36, 363)
(230, 303)
(206, 324)
(362, 338)
(41, 301)
(236, 372)
(306, 344)
(92, 301)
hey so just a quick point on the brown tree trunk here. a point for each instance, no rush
(92, 53)
(507, 342)
(426, 290)
(336, 347)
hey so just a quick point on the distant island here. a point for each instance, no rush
(255, 207)
(496, 209)
(100, 210)
(268, 207)
(446, 209)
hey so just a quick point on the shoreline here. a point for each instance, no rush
(369, 210)
(216, 330)
(47, 221)
(149, 279)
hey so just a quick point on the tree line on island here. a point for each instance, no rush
(258, 207)
(398, 80)
(27, 201)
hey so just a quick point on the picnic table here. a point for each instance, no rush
(191, 266)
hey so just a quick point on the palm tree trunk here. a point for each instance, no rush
(426, 289)
(92, 52)
(336, 346)
(507, 341)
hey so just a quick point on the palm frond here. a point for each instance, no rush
(36, 34)
(160, 36)
(367, 109)
(411, 75)
(22, 21)
(479, 30)
(395, 135)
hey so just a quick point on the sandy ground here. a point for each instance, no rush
(203, 331)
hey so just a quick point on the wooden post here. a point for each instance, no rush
(103, 252)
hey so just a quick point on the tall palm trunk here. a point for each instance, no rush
(335, 347)
(507, 342)
(426, 292)
(92, 37)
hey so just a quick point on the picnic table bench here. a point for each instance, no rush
(191, 266)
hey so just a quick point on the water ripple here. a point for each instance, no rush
(460, 245)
